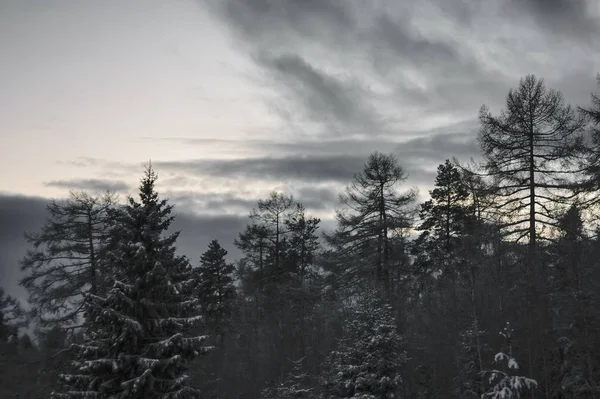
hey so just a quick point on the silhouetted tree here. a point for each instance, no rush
(373, 211)
(67, 258)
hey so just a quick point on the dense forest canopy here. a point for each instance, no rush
(490, 288)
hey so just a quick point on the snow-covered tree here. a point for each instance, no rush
(367, 362)
(215, 287)
(295, 386)
(136, 344)
(506, 385)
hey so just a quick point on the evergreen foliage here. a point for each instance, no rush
(367, 361)
(135, 345)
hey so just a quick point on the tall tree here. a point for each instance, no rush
(373, 212)
(136, 345)
(530, 150)
(67, 258)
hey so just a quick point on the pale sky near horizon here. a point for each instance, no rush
(231, 99)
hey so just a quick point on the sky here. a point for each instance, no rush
(232, 99)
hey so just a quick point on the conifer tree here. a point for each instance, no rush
(215, 288)
(12, 317)
(67, 258)
(136, 344)
(504, 383)
(530, 151)
(367, 362)
(374, 211)
(295, 386)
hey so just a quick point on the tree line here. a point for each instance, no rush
(487, 289)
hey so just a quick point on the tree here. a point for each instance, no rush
(136, 343)
(11, 359)
(368, 359)
(446, 219)
(215, 287)
(574, 288)
(67, 258)
(295, 386)
(530, 151)
(505, 384)
(446, 215)
(592, 160)
(374, 211)
(12, 317)
(303, 241)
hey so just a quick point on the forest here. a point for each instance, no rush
(489, 289)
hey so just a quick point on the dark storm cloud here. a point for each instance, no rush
(89, 184)
(18, 214)
(569, 18)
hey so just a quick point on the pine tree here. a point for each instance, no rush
(215, 288)
(367, 362)
(136, 345)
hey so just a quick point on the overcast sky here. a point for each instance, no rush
(234, 98)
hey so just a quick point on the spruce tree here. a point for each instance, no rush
(215, 288)
(504, 383)
(295, 386)
(136, 344)
(368, 359)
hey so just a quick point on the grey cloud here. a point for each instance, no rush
(196, 232)
(305, 168)
(452, 133)
(257, 19)
(568, 18)
(319, 198)
(18, 214)
(394, 63)
(323, 98)
(90, 184)
(419, 156)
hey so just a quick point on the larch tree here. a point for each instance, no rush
(373, 212)
(67, 258)
(531, 151)
(137, 344)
